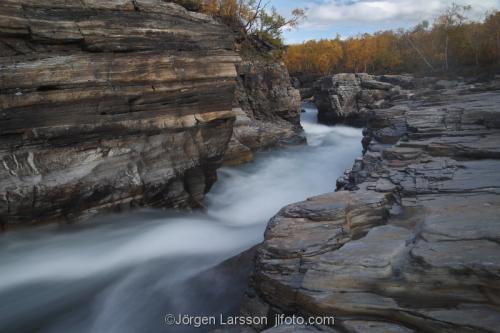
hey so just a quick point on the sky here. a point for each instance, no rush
(327, 18)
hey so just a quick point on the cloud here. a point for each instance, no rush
(334, 12)
(327, 18)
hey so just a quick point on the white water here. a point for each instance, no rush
(123, 273)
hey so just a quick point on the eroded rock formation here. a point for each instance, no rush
(348, 98)
(415, 245)
(267, 110)
(109, 104)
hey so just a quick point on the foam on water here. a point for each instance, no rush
(102, 276)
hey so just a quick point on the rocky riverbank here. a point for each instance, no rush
(410, 243)
(108, 105)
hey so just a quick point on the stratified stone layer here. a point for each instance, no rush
(267, 110)
(110, 104)
(348, 98)
(414, 245)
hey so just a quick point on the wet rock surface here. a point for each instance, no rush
(109, 105)
(410, 243)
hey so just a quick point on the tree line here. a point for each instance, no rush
(453, 44)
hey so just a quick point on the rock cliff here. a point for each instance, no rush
(110, 104)
(414, 245)
(267, 109)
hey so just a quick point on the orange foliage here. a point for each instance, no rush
(452, 44)
(318, 57)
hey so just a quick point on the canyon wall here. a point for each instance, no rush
(267, 110)
(410, 243)
(110, 104)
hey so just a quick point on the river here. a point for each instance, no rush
(124, 273)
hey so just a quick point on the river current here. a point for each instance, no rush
(124, 273)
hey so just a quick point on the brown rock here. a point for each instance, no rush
(108, 105)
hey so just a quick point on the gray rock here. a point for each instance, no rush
(269, 113)
(336, 97)
(414, 246)
(348, 98)
(372, 84)
(404, 81)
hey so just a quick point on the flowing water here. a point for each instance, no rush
(123, 273)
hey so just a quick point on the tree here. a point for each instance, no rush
(267, 23)
(492, 33)
(318, 57)
(253, 17)
(452, 44)
(453, 17)
(417, 34)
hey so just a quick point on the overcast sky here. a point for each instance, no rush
(326, 18)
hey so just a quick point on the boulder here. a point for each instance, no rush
(348, 98)
(336, 98)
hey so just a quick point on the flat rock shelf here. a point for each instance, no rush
(410, 242)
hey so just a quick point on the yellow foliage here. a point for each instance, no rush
(452, 44)
(319, 57)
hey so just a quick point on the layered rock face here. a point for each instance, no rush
(415, 245)
(267, 109)
(348, 98)
(109, 104)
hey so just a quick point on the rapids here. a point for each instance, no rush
(123, 273)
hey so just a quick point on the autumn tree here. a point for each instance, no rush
(491, 31)
(452, 44)
(448, 23)
(317, 57)
(267, 23)
(253, 17)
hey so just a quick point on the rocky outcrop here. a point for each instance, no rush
(110, 104)
(267, 109)
(348, 98)
(414, 246)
